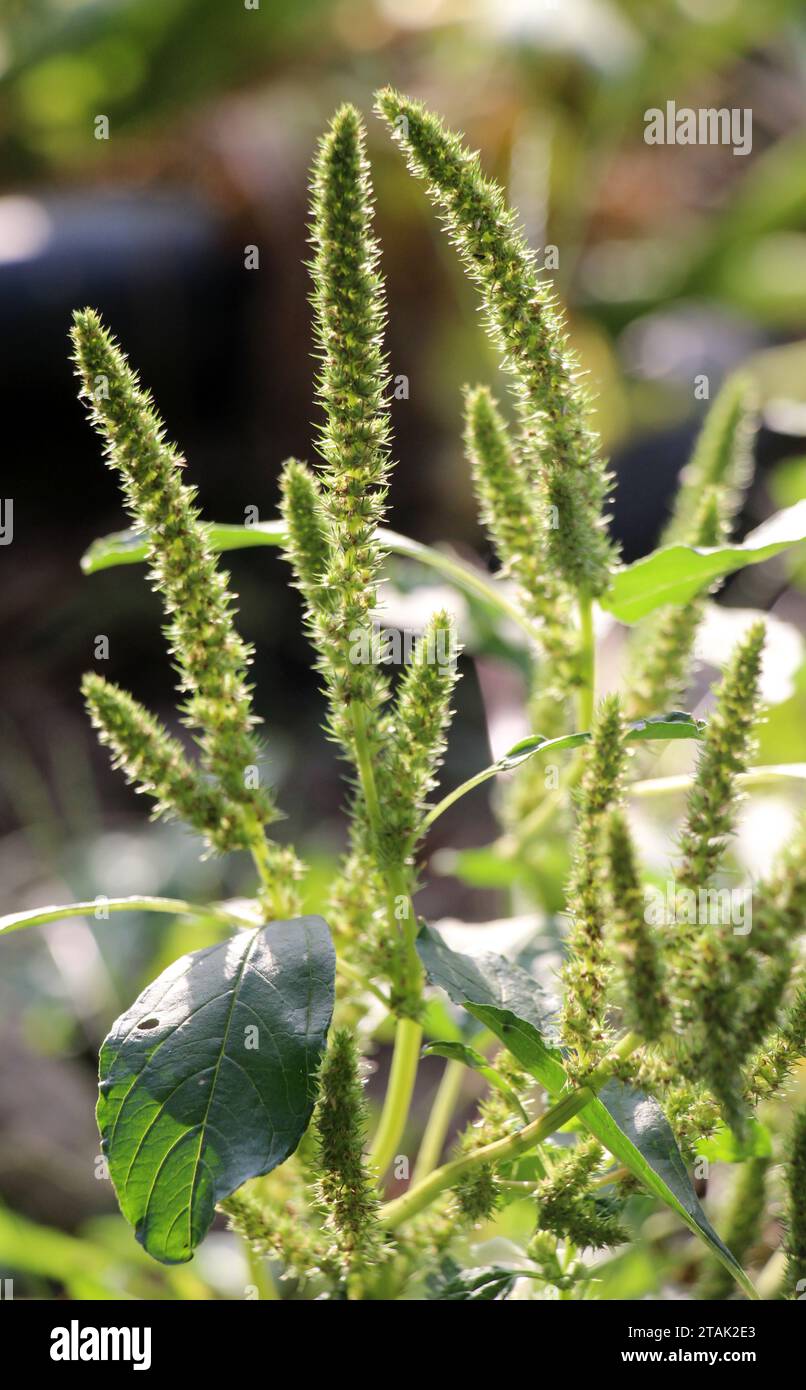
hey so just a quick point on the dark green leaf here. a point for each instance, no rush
(208, 1079)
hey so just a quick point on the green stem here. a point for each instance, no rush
(587, 662)
(402, 1209)
(772, 776)
(260, 1274)
(364, 767)
(260, 857)
(408, 1034)
(38, 916)
(439, 1120)
(351, 973)
(458, 792)
(624, 1048)
(397, 1100)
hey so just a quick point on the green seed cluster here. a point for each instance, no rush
(307, 547)
(712, 965)
(349, 316)
(395, 746)
(156, 764)
(772, 1065)
(210, 657)
(636, 948)
(710, 495)
(417, 736)
(586, 973)
(726, 750)
(507, 502)
(569, 1208)
(477, 1194)
(721, 462)
(661, 653)
(525, 323)
(345, 1186)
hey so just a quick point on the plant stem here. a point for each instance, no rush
(402, 1209)
(624, 1048)
(364, 766)
(15, 921)
(772, 776)
(439, 1120)
(397, 1100)
(470, 785)
(587, 662)
(260, 1274)
(351, 973)
(408, 1034)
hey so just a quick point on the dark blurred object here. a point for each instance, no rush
(49, 1154)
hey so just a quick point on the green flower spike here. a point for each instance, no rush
(419, 723)
(156, 764)
(307, 547)
(569, 1208)
(710, 495)
(556, 438)
(209, 654)
(637, 951)
(725, 751)
(772, 1065)
(586, 971)
(349, 314)
(712, 963)
(721, 461)
(661, 651)
(507, 502)
(345, 1187)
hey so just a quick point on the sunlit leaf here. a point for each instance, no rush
(677, 573)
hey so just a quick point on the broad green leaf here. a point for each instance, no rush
(131, 548)
(208, 1079)
(675, 724)
(96, 907)
(630, 1124)
(462, 1052)
(724, 1146)
(677, 573)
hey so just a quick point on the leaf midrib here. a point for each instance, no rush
(203, 1124)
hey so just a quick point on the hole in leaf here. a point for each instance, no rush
(149, 1023)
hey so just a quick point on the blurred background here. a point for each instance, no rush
(676, 263)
